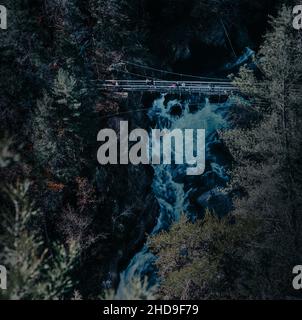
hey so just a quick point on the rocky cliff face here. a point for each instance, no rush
(195, 36)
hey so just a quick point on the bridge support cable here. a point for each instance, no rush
(165, 72)
(228, 37)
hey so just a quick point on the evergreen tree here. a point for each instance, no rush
(23, 64)
(192, 258)
(34, 271)
(267, 167)
(56, 138)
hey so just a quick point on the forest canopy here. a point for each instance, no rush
(69, 226)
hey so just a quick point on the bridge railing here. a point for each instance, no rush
(168, 86)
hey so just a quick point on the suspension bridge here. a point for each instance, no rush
(166, 86)
(151, 83)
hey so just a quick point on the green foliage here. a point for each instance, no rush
(55, 128)
(267, 168)
(137, 289)
(33, 273)
(59, 51)
(64, 90)
(190, 256)
(58, 282)
(17, 54)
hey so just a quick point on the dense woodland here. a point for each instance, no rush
(69, 226)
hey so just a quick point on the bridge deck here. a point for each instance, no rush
(209, 88)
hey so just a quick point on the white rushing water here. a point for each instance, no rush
(171, 195)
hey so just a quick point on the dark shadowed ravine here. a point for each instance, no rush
(175, 192)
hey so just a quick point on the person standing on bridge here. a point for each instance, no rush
(150, 82)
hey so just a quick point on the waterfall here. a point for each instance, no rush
(169, 183)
